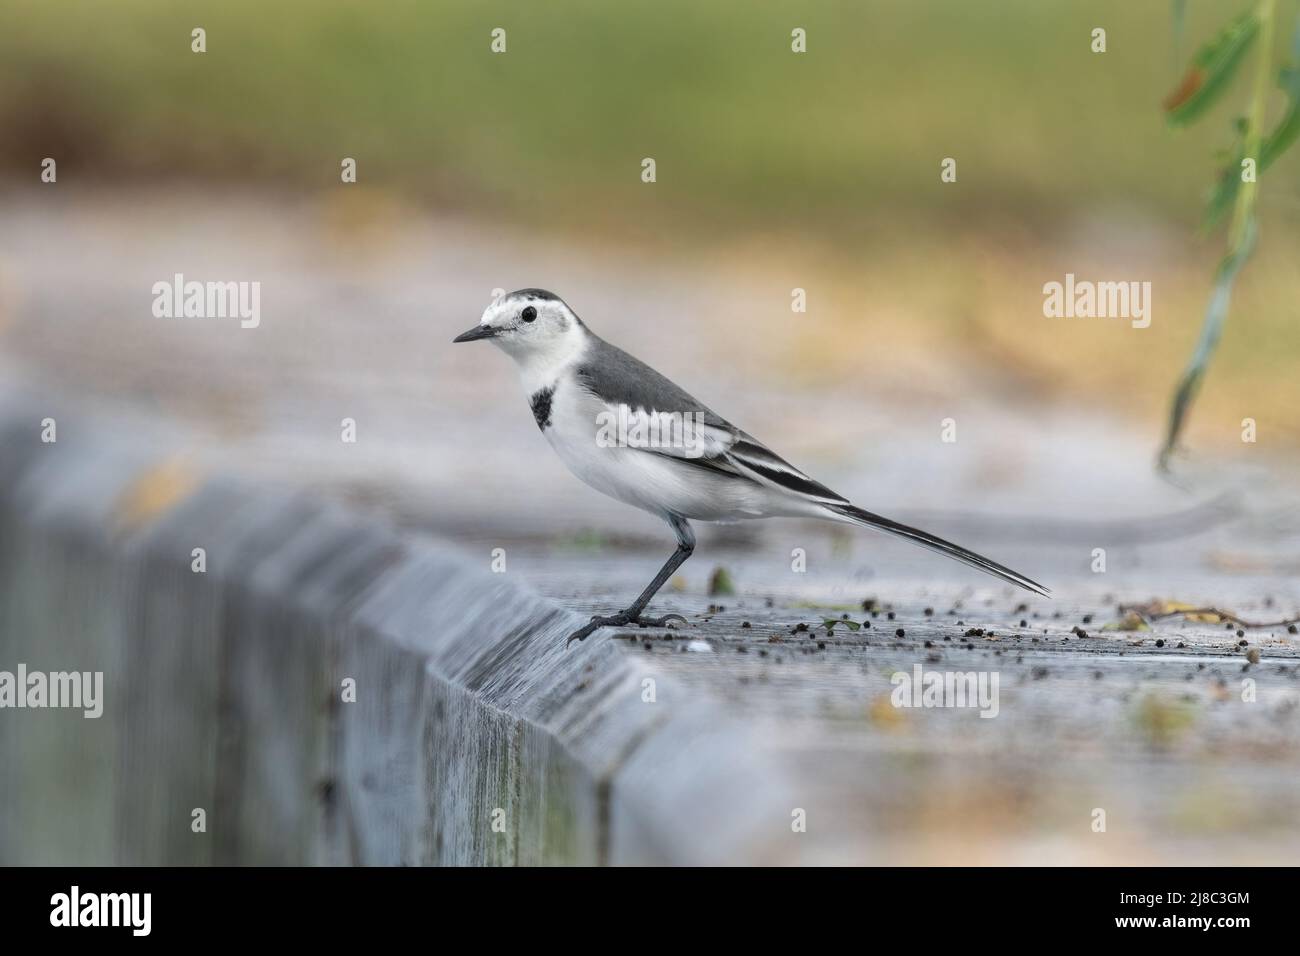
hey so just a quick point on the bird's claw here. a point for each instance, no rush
(619, 620)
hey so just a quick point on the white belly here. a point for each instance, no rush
(645, 479)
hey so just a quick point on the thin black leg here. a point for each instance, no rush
(632, 615)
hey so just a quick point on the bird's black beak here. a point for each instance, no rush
(476, 333)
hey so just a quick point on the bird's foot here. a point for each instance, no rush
(619, 620)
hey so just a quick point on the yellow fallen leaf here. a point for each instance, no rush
(1132, 621)
(883, 712)
(1176, 607)
(155, 491)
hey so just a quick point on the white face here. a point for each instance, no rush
(528, 323)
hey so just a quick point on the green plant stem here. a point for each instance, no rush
(1244, 210)
(1241, 242)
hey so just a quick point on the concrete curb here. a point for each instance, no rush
(475, 736)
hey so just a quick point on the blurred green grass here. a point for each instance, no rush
(746, 134)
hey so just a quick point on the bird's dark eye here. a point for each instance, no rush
(528, 314)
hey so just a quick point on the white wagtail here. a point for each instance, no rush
(698, 465)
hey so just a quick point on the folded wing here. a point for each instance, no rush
(650, 403)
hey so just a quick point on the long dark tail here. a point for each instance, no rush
(928, 540)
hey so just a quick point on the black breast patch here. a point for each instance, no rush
(541, 403)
